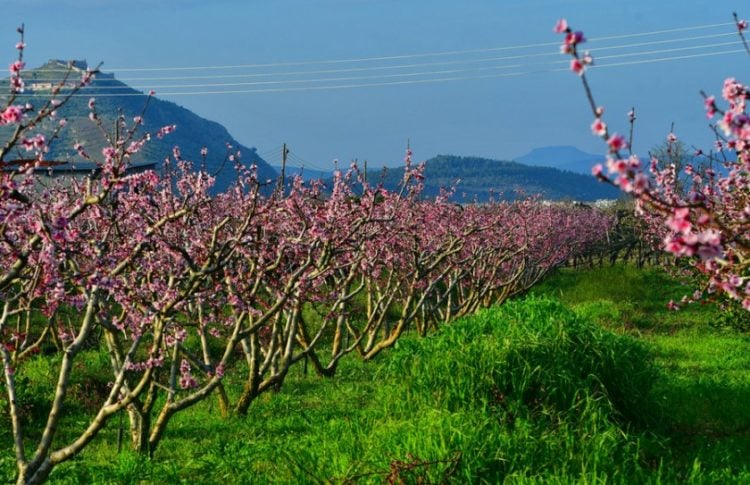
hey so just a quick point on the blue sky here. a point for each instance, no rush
(498, 117)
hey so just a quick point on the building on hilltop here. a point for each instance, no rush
(44, 86)
(75, 64)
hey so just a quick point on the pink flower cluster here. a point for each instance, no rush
(700, 215)
(12, 115)
(16, 83)
(570, 45)
(187, 381)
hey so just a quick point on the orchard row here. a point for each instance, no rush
(183, 287)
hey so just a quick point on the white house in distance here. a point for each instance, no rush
(77, 67)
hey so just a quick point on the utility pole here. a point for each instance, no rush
(282, 179)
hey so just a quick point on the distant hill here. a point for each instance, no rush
(193, 132)
(480, 176)
(561, 157)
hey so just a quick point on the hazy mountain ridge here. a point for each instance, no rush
(563, 157)
(478, 178)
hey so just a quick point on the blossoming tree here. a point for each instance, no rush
(707, 220)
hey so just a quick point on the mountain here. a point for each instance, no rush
(562, 157)
(481, 176)
(192, 133)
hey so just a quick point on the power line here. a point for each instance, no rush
(272, 90)
(270, 152)
(666, 59)
(305, 163)
(377, 68)
(406, 82)
(407, 56)
(411, 74)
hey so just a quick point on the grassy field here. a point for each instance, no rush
(590, 379)
(704, 383)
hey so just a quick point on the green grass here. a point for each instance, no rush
(626, 298)
(529, 391)
(704, 388)
(589, 380)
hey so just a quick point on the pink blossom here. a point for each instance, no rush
(598, 127)
(17, 84)
(165, 130)
(732, 89)
(187, 381)
(576, 66)
(16, 67)
(109, 152)
(624, 183)
(86, 78)
(574, 38)
(640, 183)
(135, 146)
(12, 114)
(710, 105)
(616, 143)
(741, 25)
(671, 138)
(679, 221)
(35, 142)
(617, 166)
(561, 26)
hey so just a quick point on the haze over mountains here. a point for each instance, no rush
(563, 157)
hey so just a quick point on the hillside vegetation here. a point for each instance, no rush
(480, 178)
